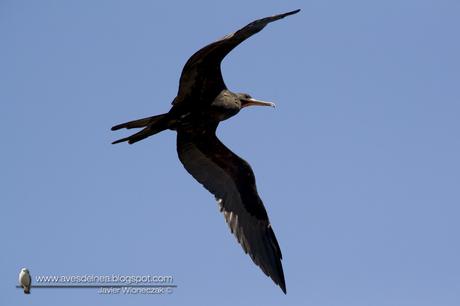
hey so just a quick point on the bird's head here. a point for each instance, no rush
(24, 270)
(246, 100)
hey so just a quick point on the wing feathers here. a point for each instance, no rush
(244, 213)
(202, 76)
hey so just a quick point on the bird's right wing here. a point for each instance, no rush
(232, 181)
(201, 76)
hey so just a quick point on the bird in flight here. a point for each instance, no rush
(201, 103)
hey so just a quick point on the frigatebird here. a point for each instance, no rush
(202, 102)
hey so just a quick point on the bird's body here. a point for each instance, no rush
(25, 280)
(202, 102)
(225, 105)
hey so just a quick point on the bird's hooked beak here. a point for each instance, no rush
(245, 102)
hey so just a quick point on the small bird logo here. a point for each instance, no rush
(25, 280)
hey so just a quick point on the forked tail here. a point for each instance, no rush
(152, 125)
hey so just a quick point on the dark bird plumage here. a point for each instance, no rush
(201, 103)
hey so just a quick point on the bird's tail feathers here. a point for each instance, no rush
(27, 290)
(139, 123)
(153, 125)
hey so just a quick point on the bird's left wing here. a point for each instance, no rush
(232, 181)
(201, 76)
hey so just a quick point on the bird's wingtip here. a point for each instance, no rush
(292, 12)
(282, 284)
(280, 16)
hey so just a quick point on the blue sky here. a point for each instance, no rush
(358, 165)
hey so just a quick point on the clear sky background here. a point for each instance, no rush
(358, 166)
